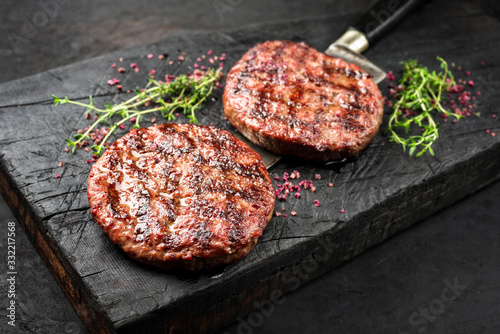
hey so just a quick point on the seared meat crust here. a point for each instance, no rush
(181, 196)
(294, 100)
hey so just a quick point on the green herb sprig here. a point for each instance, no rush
(420, 97)
(186, 93)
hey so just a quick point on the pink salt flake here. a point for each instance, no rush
(342, 211)
(150, 56)
(58, 176)
(390, 76)
(113, 81)
(297, 195)
(316, 202)
(293, 213)
(471, 83)
(113, 66)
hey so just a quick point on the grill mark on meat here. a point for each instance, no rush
(351, 123)
(202, 235)
(321, 81)
(265, 97)
(163, 195)
(292, 99)
(171, 211)
(297, 94)
(236, 231)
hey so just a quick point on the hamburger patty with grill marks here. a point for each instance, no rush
(181, 196)
(293, 100)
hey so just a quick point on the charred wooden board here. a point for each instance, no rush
(382, 190)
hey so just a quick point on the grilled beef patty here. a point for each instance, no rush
(294, 100)
(181, 196)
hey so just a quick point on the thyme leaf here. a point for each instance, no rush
(186, 93)
(419, 99)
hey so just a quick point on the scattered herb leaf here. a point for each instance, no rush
(186, 93)
(420, 96)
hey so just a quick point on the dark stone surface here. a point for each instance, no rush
(350, 307)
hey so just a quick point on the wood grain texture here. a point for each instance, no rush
(382, 190)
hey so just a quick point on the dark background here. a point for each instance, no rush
(391, 288)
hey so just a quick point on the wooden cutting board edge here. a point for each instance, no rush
(323, 255)
(65, 275)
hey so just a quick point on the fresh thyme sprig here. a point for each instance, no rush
(185, 93)
(420, 97)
